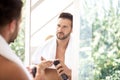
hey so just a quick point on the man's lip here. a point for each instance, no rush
(60, 33)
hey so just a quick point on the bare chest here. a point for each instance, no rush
(60, 54)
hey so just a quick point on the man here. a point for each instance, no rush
(60, 48)
(11, 67)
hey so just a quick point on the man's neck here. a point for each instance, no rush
(63, 43)
(4, 33)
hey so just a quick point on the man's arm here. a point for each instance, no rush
(40, 73)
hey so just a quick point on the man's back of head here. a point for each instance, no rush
(10, 15)
(9, 10)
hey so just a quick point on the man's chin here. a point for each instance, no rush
(61, 38)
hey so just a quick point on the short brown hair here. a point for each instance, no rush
(67, 15)
(9, 10)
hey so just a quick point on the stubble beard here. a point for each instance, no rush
(62, 36)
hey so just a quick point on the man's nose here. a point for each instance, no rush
(60, 29)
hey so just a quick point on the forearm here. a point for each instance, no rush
(39, 76)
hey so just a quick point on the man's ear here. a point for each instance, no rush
(12, 26)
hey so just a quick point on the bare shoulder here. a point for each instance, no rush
(10, 70)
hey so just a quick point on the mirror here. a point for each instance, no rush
(44, 14)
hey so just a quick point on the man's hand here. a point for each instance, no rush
(40, 75)
(44, 64)
(62, 68)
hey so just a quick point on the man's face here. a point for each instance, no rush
(16, 30)
(63, 28)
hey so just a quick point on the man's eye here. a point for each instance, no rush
(58, 25)
(65, 26)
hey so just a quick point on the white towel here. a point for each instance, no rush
(6, 52)
(48, 51)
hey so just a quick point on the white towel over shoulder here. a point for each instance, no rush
(6, 52)
(48, 51)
